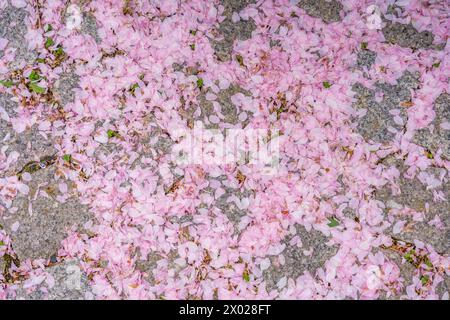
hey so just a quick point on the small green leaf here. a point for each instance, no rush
(240, 60)
(193, 32)
(326, 84)
(333, 222)
(428, 262)
(424, 279)
(59, 52)
(48, 28)
(280, 110)
(409, 256)
(364, 45)
(7, 83)
(429, 154)
(40, 60)
(192, 46)
(200, 83)
(246, 276)
(36, 88)
(436, 64)
(49, 42)
(134, 87)
(112, 133)
(2, 243)
(34, 76)
(67, 157)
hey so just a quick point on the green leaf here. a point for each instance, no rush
(193, 32)
(7, 83)
(112, 133)
(409, 256)
(326, 84)
(34, 76)
(200, 83)
(59, 52)
(436, 64)
(427, 262)
(2, 243)
(33, 86)
(333, 222)
(429, 154)
(280, 110)
(134, 87)
(192, 46)
(49, 42)
(240, 60)
(364, 45)
(40, 60)
(67, 157)
(424, 279)
(48, 28)
(246, 276)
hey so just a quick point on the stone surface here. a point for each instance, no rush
(405, 35)
(228, 109)
(296, 262)
(328, 11)
(9, 105)
(407, 271)
(230, 31)
(414, 195)
(13, 28)
(365, 58)
(89, 26)
(70, 284)
(148, 265)
(233, 213)
(151, 142)
(30, 145)
(444, 286)
(63, 89)
(374, 125)
(231, 6)
(39, 235)
(44, 225)
(437, 138)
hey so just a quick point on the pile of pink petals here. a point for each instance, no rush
(134, 218)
